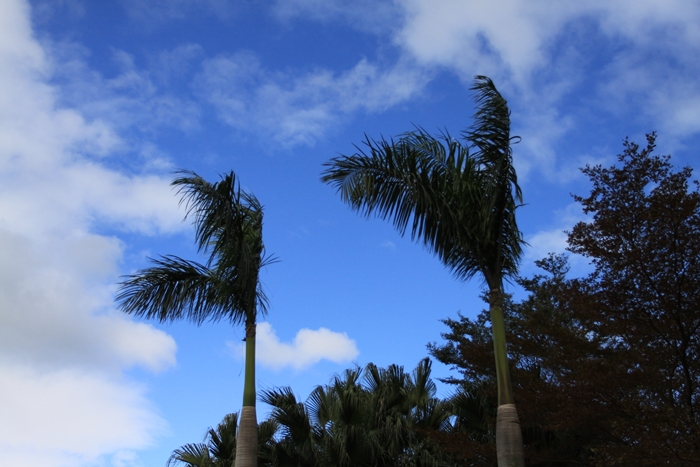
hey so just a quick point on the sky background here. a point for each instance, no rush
(101, 101)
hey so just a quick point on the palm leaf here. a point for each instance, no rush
(221, 440)
(191, 455)
(177, 289)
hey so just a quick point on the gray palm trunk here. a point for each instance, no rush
(247, 442)
(509, 437)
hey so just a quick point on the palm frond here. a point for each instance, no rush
(221, 440)
(415, 181)
(191, 455)
(490, 135)
(222, 211)
(228, 226)
(289, 413)
(423, 387)
(320, 406)
(176, 289)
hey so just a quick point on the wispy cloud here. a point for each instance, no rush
(301, 108)
(134, 98)
(308, 348)
(555, 240)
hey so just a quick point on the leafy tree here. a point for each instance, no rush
(228, 228)
(461, 206)
(607, 365)
(644, 241)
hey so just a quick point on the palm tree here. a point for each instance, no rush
(228, 228)
(461, 206)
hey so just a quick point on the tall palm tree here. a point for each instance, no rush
(228, 228)
(461, 206)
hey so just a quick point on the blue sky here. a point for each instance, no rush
(101, 101)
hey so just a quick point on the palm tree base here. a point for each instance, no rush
(247, 442)
(509, 437)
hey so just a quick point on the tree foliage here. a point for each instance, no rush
(606, 367)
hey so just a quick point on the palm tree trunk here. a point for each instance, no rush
(509, 436)
(247, 439)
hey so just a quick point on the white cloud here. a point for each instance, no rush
(308, 348)
(514, 36)
(553, 240)
(63, 348)
(301, 109)
(70, 418)
(546, 241)
(49, 302)
(477, 37)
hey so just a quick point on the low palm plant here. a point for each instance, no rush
(375, 417)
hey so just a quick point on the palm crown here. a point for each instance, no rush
(228, 228)
(461, 205)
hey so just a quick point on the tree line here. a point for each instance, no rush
(604, 368)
